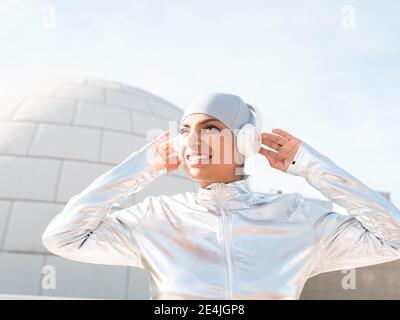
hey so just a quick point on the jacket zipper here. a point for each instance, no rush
(227, 246)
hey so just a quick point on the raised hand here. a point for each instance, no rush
(167, 151)
(286, 146)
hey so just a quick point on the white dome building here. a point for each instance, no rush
(56, 137)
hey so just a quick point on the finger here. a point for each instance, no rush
(283, 133)
(163, 136)
(265, 137)
(272, 145)
(269, 154)
(163, 140)
(172, 143)
(170, 151)
(164, 144)
(166, 150)
(172, 159)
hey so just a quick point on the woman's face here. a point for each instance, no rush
(207, 150)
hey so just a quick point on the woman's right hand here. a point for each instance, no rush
(166, 150)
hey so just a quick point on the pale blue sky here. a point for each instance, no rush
(335, 88)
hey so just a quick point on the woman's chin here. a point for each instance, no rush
(198, 172)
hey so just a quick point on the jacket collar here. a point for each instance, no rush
(237, 195)
(232, 194)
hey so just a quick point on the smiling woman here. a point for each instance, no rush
(226, 241)
(208, 151)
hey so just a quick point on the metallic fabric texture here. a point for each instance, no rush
(227, 241)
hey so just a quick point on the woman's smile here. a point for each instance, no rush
(197, 159)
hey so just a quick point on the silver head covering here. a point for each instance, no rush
(227, 108)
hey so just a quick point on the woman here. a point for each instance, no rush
(225, 241)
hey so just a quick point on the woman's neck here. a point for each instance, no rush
(204, 184)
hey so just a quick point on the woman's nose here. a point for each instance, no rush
(193, 138)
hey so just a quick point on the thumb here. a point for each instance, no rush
(164, 136)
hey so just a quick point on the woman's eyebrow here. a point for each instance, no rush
(201, 122)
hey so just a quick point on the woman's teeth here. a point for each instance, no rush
(197, 158)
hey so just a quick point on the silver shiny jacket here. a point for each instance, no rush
(226, 241)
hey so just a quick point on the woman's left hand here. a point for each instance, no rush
(286, 146)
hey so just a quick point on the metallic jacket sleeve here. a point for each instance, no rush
(370, 232)
(89, 230)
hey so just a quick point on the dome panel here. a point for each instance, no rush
(54, 110)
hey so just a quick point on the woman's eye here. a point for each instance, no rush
(208, 129)
(211, 129)
(182, 130)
